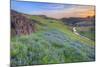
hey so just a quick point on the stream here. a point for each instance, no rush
(75, 31)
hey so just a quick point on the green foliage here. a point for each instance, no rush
(51, 43)
(41, 48)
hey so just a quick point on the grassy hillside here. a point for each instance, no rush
(88, 32)
(53, 42)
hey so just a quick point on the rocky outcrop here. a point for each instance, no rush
(21, 24)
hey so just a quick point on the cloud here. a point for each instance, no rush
(53, 10)
(74, 11)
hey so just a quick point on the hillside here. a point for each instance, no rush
(77, 21)
(51, 42)
(84, 26)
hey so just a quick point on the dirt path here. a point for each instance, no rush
(75, 31)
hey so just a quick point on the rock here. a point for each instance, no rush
(21, 24)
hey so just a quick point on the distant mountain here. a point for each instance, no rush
(73, 21)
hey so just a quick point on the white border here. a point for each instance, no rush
(4, 33)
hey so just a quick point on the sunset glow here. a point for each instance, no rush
(53, 10)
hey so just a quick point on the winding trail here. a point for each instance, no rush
(75, 31)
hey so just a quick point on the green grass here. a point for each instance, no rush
(53, 42)
(41, 49)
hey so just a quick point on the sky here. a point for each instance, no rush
(53, 10)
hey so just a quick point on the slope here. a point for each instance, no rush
(53, 42)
